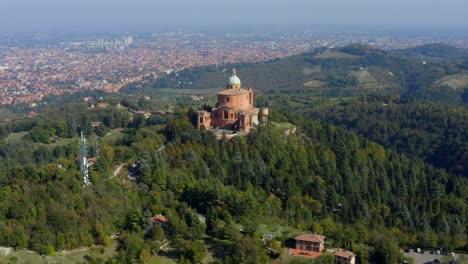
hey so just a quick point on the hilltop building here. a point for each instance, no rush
(234, 110)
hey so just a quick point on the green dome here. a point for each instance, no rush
(234, 80)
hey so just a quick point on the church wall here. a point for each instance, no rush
(224, 118)
(234, 109)
(203, 119)
(235, 101)
(254, 120)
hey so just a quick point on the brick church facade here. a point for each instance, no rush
(234, 110)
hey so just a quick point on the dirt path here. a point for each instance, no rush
(117, 170)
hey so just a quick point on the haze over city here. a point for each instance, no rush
(31, 15)
(54, 47)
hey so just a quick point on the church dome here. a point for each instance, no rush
(234, 80)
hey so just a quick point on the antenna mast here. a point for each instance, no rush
(84, 160)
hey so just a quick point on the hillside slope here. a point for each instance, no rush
(333, 72)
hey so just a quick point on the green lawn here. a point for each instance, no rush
(278, 230)
(112, 136)
(8, 255)
(281, 127)
(15, 136)
(336, 55)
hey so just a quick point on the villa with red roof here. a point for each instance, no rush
(159, 219)
(308, 245)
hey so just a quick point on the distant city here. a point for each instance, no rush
(29, 72)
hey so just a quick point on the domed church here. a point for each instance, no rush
(234, 109)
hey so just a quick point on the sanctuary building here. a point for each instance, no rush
(234, 110)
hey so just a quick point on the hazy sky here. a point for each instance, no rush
(60, 14)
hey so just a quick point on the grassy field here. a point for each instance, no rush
(177, 93)
(8, 255)
(456, 81)
(278, 230)
(169, 96)
(309, 71)
(336, 55)
(113, 136)
(282, 127)
(367, 80)
(13, 137)
(314, 84)
(382, 74)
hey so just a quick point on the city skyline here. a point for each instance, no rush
(24, 15)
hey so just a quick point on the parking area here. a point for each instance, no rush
(427, 256)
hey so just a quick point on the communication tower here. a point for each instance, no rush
(84, 160)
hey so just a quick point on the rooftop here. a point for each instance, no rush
(344, 253)
(311, 238)
(234, 79)
(159, 219)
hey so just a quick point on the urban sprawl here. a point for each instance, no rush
(27, 74)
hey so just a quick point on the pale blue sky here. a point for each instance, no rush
(38, 14)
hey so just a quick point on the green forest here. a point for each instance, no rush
(374, 170)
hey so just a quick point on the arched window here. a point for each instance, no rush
(227, 99)
(225, 115)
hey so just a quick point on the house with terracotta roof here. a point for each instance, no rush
(344, 257)
(310, 242)
(308, 245)
(159, 219)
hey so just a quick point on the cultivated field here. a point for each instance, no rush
(456, 81)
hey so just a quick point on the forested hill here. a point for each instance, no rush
(340, 71)
(438, 51)
(433, 132)
(353, 150)
(320, 179)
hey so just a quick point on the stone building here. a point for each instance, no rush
(234, 110)
(310, 242)
(344, 257)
